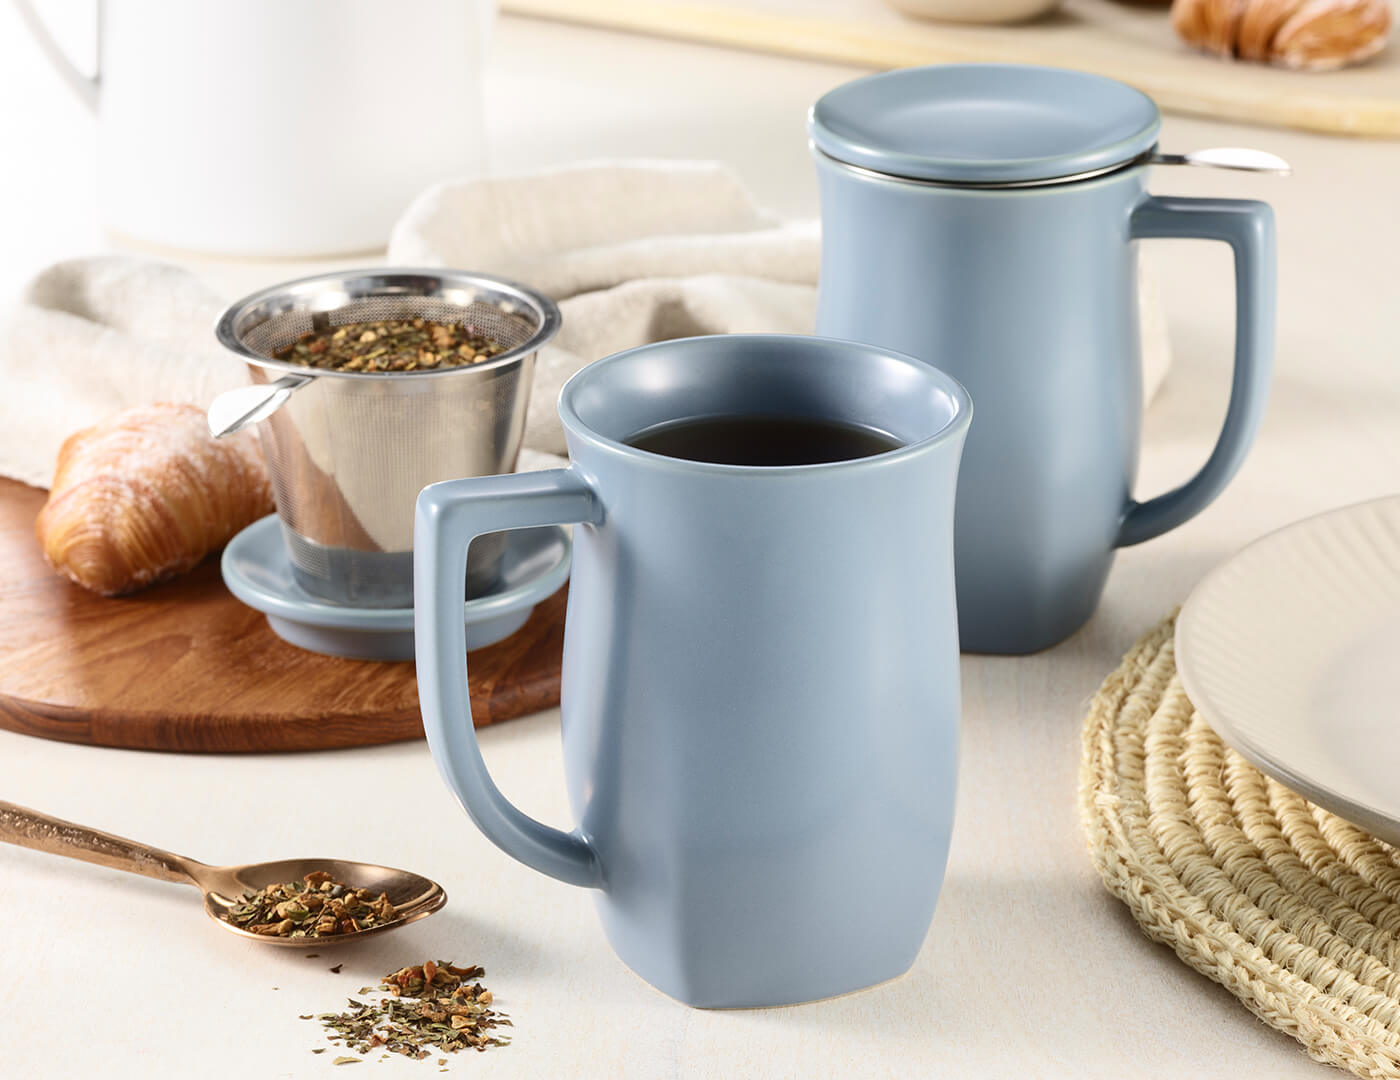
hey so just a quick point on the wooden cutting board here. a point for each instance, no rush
(185, 666)
(1131, 42)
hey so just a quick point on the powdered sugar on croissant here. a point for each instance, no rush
(146, 495)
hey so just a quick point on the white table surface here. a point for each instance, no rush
(1030, 970)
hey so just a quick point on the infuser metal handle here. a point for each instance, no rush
(449, 516)
(233, 410)
(1248, 227)
(1226, 157)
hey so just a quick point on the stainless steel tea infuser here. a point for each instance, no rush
(348, 452)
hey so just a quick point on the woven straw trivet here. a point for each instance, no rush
(1293, 910)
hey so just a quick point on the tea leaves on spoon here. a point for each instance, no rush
(318, 906)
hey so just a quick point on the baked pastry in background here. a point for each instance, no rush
(1313, 35)
(146, 495)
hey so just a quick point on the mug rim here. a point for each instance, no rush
(954, 428)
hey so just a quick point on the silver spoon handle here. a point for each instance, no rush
(31, 829)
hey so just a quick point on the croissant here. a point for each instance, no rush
(146, 495)
(1315, 35)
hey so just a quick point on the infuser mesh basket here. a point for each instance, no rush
(498, 319)
(349, 451)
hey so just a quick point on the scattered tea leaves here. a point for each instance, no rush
(431, 1006)
(317, 906)
(346, 1060)
(336, 970)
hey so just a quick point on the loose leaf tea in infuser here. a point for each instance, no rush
(318, 906)
(390, 345)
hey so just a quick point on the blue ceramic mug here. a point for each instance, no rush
(984, 218)
(760, 683)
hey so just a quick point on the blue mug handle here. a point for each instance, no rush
(449, 515)
(1248, 227)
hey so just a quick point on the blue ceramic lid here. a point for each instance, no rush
(984, 123)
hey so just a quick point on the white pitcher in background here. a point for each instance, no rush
(278, 127)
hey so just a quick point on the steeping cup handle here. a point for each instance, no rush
(1248, 227)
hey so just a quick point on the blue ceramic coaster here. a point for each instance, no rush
(257, 570)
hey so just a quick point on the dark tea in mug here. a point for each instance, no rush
(763, 440)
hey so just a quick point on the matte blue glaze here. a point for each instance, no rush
(1028, 296)
(984, 123)
(760, 695)
(258, 570)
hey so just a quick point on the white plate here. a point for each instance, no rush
(1291, 652)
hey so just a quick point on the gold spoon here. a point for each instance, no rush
(413, 897)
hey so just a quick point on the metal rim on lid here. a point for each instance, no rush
(1147, 158)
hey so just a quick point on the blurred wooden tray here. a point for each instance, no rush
(1131, 42)
(185, 666)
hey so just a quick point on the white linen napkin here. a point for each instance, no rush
(91, 337)
(633, 251)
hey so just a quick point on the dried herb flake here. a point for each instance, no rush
(390, 345)
(317, 906)
(433, 1005)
